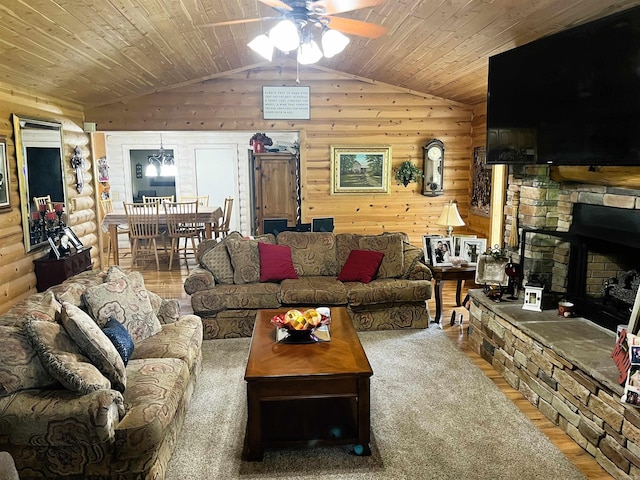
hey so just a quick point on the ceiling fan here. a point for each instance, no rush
(298, 20)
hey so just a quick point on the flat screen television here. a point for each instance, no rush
(572, 98)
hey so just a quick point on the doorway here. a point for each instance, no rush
(216, 176)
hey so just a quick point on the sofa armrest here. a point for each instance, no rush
(415, 268)
(199, 279)
(60, 417)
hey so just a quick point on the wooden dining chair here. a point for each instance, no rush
(166, 198)
(181, 224)
(37, 201)
(106, 205)
(144, 229)
(203, 201)
(222, 227)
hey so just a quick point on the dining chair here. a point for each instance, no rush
(166, 198)
(203, 201)
(181, 224)
(106, 206)
(37, 201)
(222, 227)
(144, 230)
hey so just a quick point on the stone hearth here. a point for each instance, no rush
(563, 367)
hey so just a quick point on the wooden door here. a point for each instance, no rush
(276, 187)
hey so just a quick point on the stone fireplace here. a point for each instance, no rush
(582, 240)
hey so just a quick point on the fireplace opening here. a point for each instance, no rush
(596, 264)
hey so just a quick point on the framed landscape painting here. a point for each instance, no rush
(360, 169)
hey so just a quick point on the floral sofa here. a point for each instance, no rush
(229, 286)
(75, 401)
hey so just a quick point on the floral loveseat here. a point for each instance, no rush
(69, 407)
(229, 286)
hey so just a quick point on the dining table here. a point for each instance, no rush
(209, 216)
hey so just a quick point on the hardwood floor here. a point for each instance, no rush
(168, 284)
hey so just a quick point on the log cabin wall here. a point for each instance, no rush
(16, 267)
(344, 111)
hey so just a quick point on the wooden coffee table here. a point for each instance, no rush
(307, 394)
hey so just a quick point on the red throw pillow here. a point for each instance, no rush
(275, 263)
(361, 266)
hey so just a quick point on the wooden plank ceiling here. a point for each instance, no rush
(96, 52)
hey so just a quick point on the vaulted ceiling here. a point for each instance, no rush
(95, 52)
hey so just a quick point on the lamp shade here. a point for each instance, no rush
(309, 53)
(151, 170)
(285, 36)
(450, 217)
(262, 45)
(333, 42)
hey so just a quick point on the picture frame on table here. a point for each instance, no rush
(457, 240)
(441, 252)
(360, 169)
(73, 239)
(54, 249)
(472, 248)
(426, 247)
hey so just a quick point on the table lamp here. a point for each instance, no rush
(450, 217)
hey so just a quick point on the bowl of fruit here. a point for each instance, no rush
(300, 325)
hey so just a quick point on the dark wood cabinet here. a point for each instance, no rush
(275, 188)
(50, 271)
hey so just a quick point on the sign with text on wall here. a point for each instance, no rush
(285, 103)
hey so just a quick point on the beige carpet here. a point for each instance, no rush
(434, 415)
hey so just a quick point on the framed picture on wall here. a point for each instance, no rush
(5, 202)
(365, 169)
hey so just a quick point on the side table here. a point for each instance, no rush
(51, 271)
(442, 274)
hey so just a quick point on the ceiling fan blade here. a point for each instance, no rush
(276, 4)
(235, 22)
(331, 7)
(356, 27)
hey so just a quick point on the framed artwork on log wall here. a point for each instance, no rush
(5, 201)
(357, 169)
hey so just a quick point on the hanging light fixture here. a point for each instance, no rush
(297, 34)
(161, 163)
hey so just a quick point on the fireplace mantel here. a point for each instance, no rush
(564, 368)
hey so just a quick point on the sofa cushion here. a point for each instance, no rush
(121, 339)
(361, 266)
(313, 290)
(392, 265)
(236, 297)
(345, 242)
(154, 397)
(217, 260)
(62, 358)
(125, 299)
(20, 366)
(387, 290)
(181, 339)
(275, 263)
(72, 293)
(245, 259)
(313, 253)
(39, 306)
(94, 344)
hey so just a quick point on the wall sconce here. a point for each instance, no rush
(433, 168)
(77, 163)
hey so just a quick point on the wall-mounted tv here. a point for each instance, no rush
(572, 98)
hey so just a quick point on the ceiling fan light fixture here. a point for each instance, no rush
(285, 36)
(309, 53)
(263, 46)
(333, 42)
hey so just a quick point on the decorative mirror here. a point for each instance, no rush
(40, 174)
(433, 167)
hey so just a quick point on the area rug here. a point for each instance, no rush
(434, 415)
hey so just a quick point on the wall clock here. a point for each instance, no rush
(433, 168)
